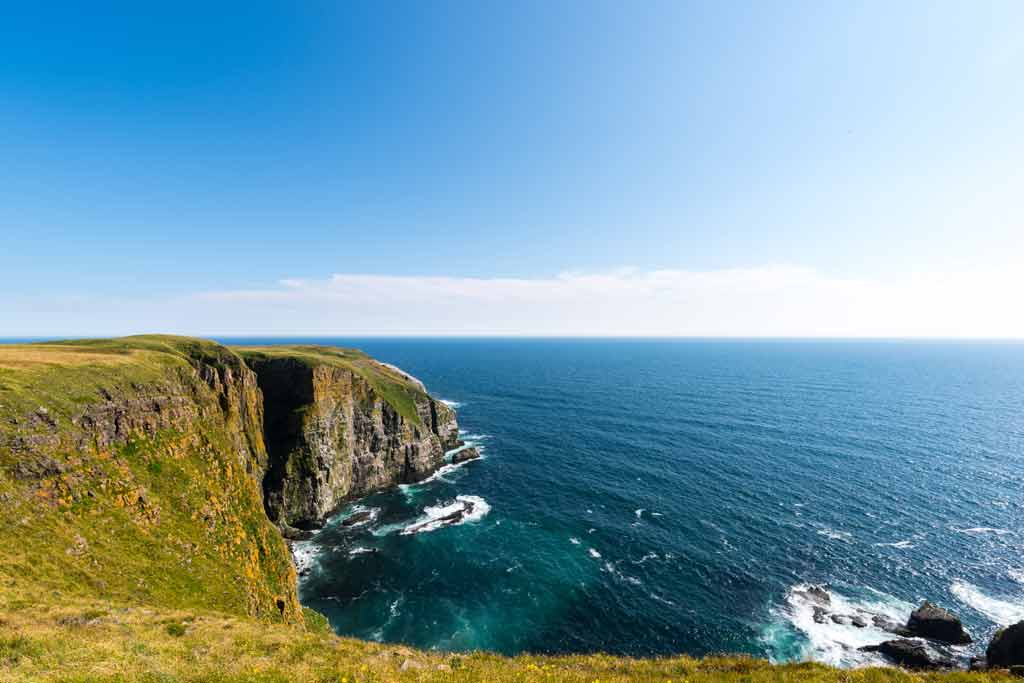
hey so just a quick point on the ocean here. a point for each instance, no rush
(651, 497)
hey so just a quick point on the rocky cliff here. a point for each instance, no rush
(332, 434)
(152, 470)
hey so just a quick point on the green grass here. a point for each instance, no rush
(390, 385)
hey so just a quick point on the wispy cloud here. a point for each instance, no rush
(759, 301)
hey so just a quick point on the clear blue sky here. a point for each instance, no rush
(166, 150)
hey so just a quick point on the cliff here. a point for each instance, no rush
(152, 470)
(339, 425)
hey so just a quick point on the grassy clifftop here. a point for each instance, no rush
(134, 545)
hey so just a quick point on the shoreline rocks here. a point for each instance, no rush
(1007, 647)
(912, 654)
(935, 623)
(466, 454)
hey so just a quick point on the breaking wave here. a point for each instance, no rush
(1001, 612)
(459, 511)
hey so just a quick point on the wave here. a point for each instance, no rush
(843, 536)
(459, 511)
(1016, 574)
(360, 550)
(1001, 612)
(454, 405)
(593, 553)
(983, 530)
(304, 553)
(574, 540)
(897, 544)
(794, 633)
(612, 568)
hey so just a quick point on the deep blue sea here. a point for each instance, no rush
(654, 497)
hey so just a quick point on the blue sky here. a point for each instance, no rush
(161, 164)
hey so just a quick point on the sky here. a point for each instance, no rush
(848, 169)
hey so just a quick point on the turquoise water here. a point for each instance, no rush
(652, 497)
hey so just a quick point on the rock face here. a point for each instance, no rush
(1007, 647)
(332, 436)
(932, 622)
(911, 654)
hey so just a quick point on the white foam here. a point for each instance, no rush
(451, 404)
(829, 642)
(359, 550)
(433, 517)
(843, 536)
(574, 540)
(897, 544)
(983, 530)
(612, 569)
(594, 553)
(1016, 574)
(305, 555)
(639, 513)
(1001, 612)
(648, 556)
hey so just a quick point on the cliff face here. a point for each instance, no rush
(149, 470)
(332, 436)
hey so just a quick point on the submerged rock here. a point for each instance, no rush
(358, 518)
(932, 622)
(1007, 646)
(911, 654)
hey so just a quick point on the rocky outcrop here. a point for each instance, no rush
(912, 654)
(1007, 647)
(934, 623)
(465, 454)
(332, 436)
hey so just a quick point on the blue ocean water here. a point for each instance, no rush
(655, 497)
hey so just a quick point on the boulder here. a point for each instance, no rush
(1007, 646)
(816, 594)
(934, 623)
(859, 621)
(911, 654)
(469, 453)
(819, 615)
(840, 619)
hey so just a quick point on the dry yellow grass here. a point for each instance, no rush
(21, 356)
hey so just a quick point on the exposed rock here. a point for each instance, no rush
(1017, 670)
(1007, 646)
(464, 455)
(332, 437)
(911, 654)
(889, 625)
(840, 619)
(932, 622)
(815, 594)
(358, 518)
(820, 615)
(859, 621)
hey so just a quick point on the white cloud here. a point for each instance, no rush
(762, 301)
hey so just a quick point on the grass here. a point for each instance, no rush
(386, 382)
(137, 643)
